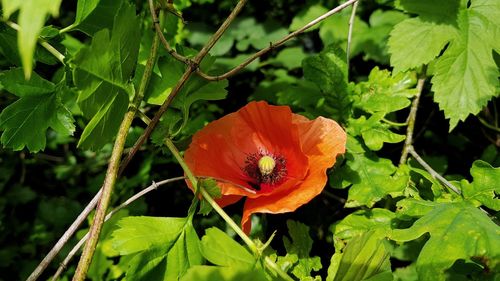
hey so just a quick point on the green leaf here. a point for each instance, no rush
(415, 42)
(301, 245)
(31, 19)
(93, 15)
(160, 87)
(458, 231)
(372, 95)
(25, 122)
(233, 273)
(13, 81)
(102, 72)
(374, 178)
(485, 187)
(433, 11)
(305, 16)
(365, 257)
(141, 233)
(164, 247)
(334, 30)
(220, 249)
(328, 71)
(466, 75)
(374, 133)
(211, 187)
(414, 208)
(363, 221)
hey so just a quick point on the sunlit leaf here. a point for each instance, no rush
(102, 72)
(457, 231)
(485, 186)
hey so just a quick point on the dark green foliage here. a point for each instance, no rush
(378, 219)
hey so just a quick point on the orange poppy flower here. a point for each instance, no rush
(274, 158)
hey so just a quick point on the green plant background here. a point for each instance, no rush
(377, 219)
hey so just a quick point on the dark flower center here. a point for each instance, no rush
(265, 168)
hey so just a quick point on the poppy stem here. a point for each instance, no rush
(194, 182)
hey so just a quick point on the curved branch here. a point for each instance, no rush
(274, 45)
(136, 196)
(193, 65)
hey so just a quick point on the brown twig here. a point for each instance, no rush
(64, 238)
(136, 196)
(163, 40)
(192, 66)
(413, 116)
(431, 171)
(113, 169)
(274, 45)
(349, 33)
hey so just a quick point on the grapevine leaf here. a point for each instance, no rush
(328, 71)
(31, 19)
(441, 11)
(220, 249)
(300, 245)
(209, 273)
(485, 186)
(458, 231)
(466, 75)
(164, 248)
(93, 15)
(414, 42)
(102, 72)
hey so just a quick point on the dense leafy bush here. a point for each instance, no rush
(414, 84)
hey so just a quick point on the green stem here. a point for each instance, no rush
(113, 167)
(194, 182)
(396, 124)
(60, 57)
(487, 125)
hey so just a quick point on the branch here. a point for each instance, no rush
(64, 238)
(163, 40)
(136, 196)
(274, 45)
(60, 57)
(349, 34)
(192, 66)
(113, 169)
(413, 116)
(431, 171)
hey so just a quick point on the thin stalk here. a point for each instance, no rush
(129, 201)
(487, 125)
(395, 124)
(60, 57)
(412, 117)
(431, 171)
(249, 242)
(274, 45)
(349, 33)
(113, 169)
(192, 66)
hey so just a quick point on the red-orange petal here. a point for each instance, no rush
(321, 140)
